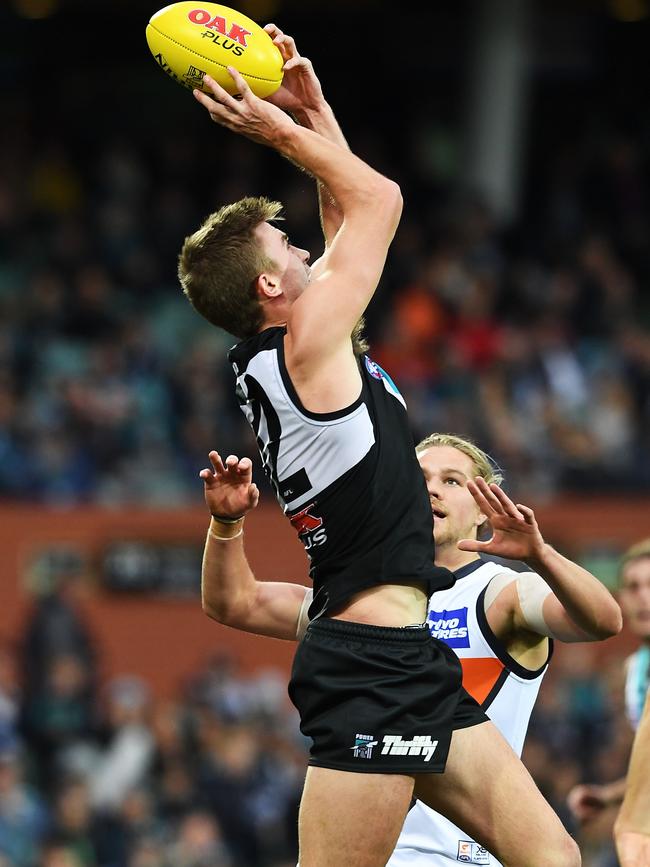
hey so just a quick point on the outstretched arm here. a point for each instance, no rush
(632, 828)
(301, 95)
(574, 606)
(230, 592)
(323, 317)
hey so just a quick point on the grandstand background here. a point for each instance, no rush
(515, 309)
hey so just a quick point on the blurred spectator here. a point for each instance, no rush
(60, 717)
(134, 823)
(9, 692)
(56, 627)
(228, 780)
(56, 854)
(59, 670)
(73, 822)
(199, 843)
(23, 817)
(127, 756)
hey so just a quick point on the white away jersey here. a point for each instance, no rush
(506, 690)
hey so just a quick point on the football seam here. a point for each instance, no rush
(209, 59)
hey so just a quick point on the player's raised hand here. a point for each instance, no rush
(246, 113)
(300, 89)
(515, 534)
(228, 486)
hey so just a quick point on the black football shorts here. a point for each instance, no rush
(377, 699)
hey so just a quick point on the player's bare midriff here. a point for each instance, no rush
(386, 605)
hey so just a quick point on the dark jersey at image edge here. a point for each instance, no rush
(349, 481)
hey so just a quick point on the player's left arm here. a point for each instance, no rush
(301, 95)
(558, 598)
(632, 828)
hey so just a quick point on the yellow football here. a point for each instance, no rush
(189, 39)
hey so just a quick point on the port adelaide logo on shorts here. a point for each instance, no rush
(450, 626)
(363, 745)
(394, 745)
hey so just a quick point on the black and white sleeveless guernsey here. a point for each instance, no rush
(349, 481)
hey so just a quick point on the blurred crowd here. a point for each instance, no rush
(533, 338)
(100, 773)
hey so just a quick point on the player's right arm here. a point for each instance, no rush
(230, 593)
(323, 318)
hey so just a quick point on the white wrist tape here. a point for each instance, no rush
(303, 618)
(532, 591)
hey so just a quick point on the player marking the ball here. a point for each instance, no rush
(380, 698)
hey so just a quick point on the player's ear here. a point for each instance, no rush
(483, 529)
(268, 286)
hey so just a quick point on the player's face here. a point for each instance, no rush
(634, 597)
(455, 513)
(293, 271)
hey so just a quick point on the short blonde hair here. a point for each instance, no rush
(484, 465)
(638, 551)
(219, 264)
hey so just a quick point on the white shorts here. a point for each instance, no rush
(430, 840)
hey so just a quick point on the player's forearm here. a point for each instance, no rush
(323, 121)
(585, 599)
(228, 586)
(353, 183)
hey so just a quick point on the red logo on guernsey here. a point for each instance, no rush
(216, 22)
(303, 522)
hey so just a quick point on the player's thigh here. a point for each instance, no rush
(488, 792)
(351, 819)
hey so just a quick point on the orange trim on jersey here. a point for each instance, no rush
(480, 676)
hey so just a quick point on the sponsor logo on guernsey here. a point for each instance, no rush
(471, 853)
(450, 626)
(420, 745)
(310, 529)
(363, 745)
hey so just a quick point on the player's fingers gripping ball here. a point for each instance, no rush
(190, 39)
